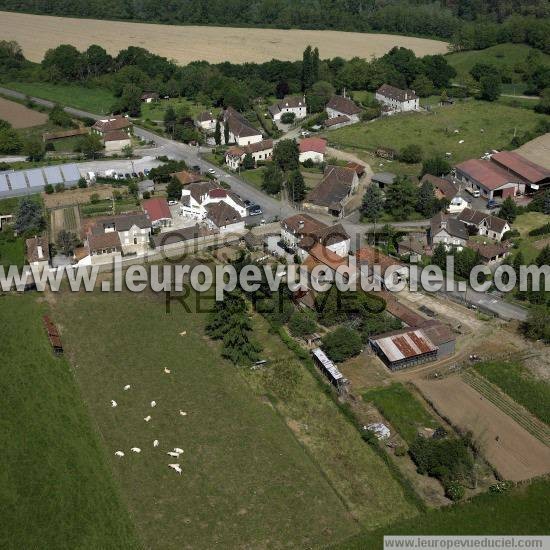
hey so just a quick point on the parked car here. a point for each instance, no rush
(255, 210)
(473, 192)
(172, 203)
(146, 171)
(134, 175)
(196, 168)
(304, 133)
(211, 171)
(127, 176)
(120, 176)
(491, 204)
(248, 203)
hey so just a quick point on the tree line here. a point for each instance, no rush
(467, 24)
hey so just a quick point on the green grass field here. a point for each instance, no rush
(520, 385)
(156, 110)
(12, 249)
(254, 176)
(246, 481)
(525, 223)
(501, 55)
(435, 132)
(522, 511)
(56, 488)
(401, 408)
(93, 100)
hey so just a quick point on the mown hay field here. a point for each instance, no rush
(38, 33)
(20, 116)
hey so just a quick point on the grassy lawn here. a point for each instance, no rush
(399, 406)
(525, 223)
(370, 492)
(435, 132)
(501, 55)
(66, 145)
(522, 511)
(56, 488)
(246, 481)
(93, 100)
(254, 176)
(12, 249)
(155, 111)
(516, 381)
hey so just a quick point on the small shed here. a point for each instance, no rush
(328, 368)
(383, 179)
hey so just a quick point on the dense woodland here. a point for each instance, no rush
(468, 24)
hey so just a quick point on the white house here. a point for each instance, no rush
(397, 100)
(196, 197)
(449, 231)
(117, 123)
(260, 151)
(224, 218)
(342, 106)
(488, 225)
(206, 121)
(294, 104)
(116, 141)
(313, 149)
(301, 232)
(241, 131)
(457, 205)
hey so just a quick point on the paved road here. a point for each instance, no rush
(273, 208)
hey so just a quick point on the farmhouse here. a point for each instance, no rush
(404, 348)
(326, 260)
(241, 131)
(116, 141)
(343, 106)
(368, 257)
(195, 198)
(485, 224)
(38, 251)
(112, 124)
(331, 195)
(158, 212)
(132, 230)
(313, 149)
(397, 100)
(489, 178)
(260, 152)
(447, 230)
(295, 228)
(206, 121)
(294, 104)
(534, 175)
(224, 218)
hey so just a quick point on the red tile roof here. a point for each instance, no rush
(320, 253)
(217, 193)
(486, 173)
(157, 209)
(116, 135)
(318, 145)
(185, 177)
(529, 171)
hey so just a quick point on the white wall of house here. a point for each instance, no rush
(135, 239)
(448, 240)
(238, 227)
(396, 105)
(299, 112)
(484, 230)
(117, 145)
(341, 248)
(233, 162)
(313, 156)
(207, 125)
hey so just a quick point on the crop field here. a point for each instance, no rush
(72, 197)
(246, 480)
(38, 33)
(520, 385)
(94, 100)
(400, 407)
(482, 126)
(56, 487)
(521, 511)
(514, 452)
(20, 116)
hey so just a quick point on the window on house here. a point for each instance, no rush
(135, 240)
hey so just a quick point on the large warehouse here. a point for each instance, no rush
(27, 182)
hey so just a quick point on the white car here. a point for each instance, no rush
(211, 171)
(172, 203)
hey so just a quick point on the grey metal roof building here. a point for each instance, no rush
(26, 182)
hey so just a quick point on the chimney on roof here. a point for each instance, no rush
(301, 224)
(344, 92)
(40, 252)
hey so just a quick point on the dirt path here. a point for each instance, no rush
(512, 451)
